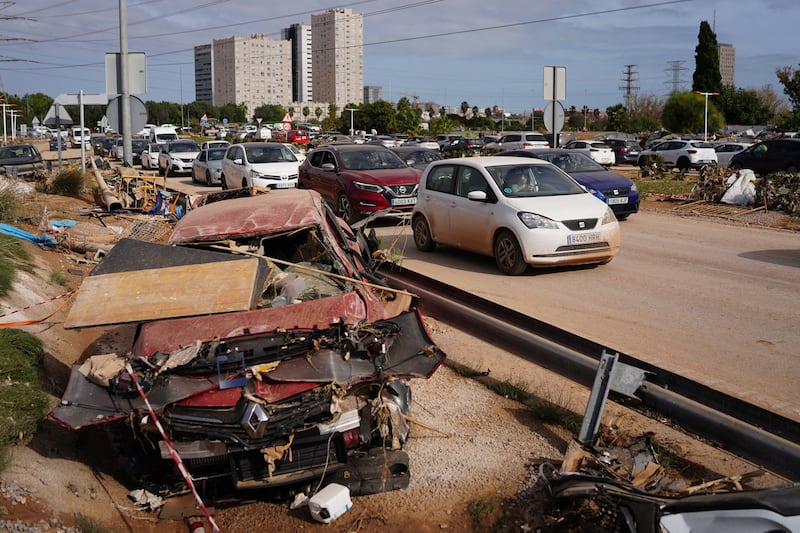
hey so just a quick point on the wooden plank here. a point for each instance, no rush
(170, 292)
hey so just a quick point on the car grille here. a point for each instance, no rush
(403, 190)
(616, 192)
(580, 224)
(581, 248)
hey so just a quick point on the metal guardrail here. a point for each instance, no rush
(749, 431)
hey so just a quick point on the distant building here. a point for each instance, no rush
(302, 74)
(727, 63)
(253, 71)
(338, 57)
(203, 74)
(372, 93)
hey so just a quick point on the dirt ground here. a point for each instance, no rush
(61, 474)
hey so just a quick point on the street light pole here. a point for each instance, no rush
(352, 110)
(705, 113)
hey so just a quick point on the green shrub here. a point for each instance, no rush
(10, 205)
(68, 182)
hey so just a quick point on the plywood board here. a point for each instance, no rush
(170, 292)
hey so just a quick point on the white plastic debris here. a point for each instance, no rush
(330, 503)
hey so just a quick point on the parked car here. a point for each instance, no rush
(297, 136)
(54, 141)
(680, 153)
(384, 140)
(149, 156)
(726, 150)
(80, 137)
(259, 164)
(108, 145)
(597, 150)
(334, 138)
(329, 360)
(773, 155)
(296, 151)
(358, 179)
(462, 144)
(614, 189)
(422, 142)
(416, 156)
(137, 147)
(522, 140)
(176, 157)
(97, 143)
(626, 151)
(446, 138)
(214, 144)
(22, 160)
(207, 166)
(521, 211)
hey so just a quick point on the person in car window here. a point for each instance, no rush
(517, 180)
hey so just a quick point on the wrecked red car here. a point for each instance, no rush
(268, 355)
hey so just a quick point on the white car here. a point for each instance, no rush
(521, 211)
(259, 164)
(726, 150)
(597, 150)
(681, 154)
(207, 166)
(214, 144)
(176, 157)
(150, 156)
(522, 140)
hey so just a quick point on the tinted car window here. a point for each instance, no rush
(440, 179)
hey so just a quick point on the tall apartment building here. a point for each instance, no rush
(253, 70)
(372, 93)
(299, 35)
(338, 57)
(203, 73)
(727, 63)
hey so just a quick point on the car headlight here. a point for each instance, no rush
(608, 217)
(533, 221)
(634, 188)
(368, 187)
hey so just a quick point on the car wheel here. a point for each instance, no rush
(683, 163)
(194, 179)
(244, 183)
(508, 254)
(422, 234)
(344, 209)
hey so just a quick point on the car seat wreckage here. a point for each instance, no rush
(263, 411)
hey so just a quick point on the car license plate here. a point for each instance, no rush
(404, 201)
(583, 238)
(617, 201)
(282, 185)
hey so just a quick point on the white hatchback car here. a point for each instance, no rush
(259, 164)
(681, 154)
(597, 150)
(519, 210)
(726, 150)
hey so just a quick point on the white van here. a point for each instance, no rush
(80, 136)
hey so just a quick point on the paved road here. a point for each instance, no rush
(717, 303)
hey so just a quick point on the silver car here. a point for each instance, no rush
(207, 166)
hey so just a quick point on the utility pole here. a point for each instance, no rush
(705, 116)
(630, 90)
(675, 68)
(125, 99)
(352, 110)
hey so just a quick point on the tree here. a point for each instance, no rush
(740, 106)
(440, 125)
(645, 112)
(318, 112)
(464, 108)
(35, 105)
(790, 79)
(306, 112)
(331, 122)
(403, 103)
(408, 121)
(707, 77)
(685, 113)
(488, 112)
(270, 113)
(617, 118)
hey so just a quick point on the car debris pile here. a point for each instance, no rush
(268, 359)
(624, 488)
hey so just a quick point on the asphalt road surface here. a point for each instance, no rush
(717, 303)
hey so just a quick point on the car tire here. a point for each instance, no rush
(344, 209)
(194, 179)
(244, 183)
(683, 163)
(508, 254)
(422, 234)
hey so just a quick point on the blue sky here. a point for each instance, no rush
(445, 51)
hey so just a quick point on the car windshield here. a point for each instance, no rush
(269, 154)
(137, 144)
(184, 147)
(524, 181)
(216, 154)
(575, 162)
(370, 160)
(701, 144)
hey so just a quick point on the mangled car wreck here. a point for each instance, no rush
(267, 354)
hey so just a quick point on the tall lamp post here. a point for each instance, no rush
(352, 110)
(705, 115)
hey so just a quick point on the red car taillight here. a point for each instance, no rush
(692, 151)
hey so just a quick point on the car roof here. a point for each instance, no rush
(492, 160)
(352, 147)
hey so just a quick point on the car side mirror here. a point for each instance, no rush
(328, 167)
(477, 196)
(238, 161)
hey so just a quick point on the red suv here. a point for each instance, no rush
(358, 179)
(297, 136)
